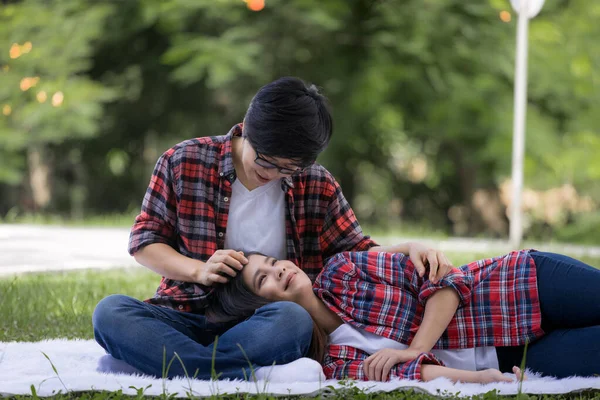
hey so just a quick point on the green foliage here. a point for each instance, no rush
(45, 94)
(584, 229)
(422, 94)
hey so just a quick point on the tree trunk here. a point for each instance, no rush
(39, 177)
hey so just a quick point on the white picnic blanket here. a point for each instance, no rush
(23, 365)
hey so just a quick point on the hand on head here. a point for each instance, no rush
(222, 266)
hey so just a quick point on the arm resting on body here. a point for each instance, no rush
(439, 311)
(347, 362)
(431, 372)
(343, 362)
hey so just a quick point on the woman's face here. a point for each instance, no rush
(276, 280)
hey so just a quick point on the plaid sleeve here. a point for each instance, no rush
(341, 230)
(156, 221)
(456, 279)
(412, 369)
(344, 362)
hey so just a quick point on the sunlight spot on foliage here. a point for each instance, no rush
(26, 48)
(505, 16)
(255, 5)
(41, 96)
(28, 82)
(57, 99)
(15, 51)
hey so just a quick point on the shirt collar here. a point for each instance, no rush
(287, 181)
(226, 169)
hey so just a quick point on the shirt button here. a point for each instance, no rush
(226, 199)
(180, 307)
(231, 176)
(220, 234)
(221, 174)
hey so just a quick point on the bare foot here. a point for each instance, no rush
(493, 375)
(520, 374)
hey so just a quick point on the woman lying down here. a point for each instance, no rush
(375, 318)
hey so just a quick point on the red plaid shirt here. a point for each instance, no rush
(187, 204)
(383, 294)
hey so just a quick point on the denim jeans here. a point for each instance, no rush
(569, 293)
(147, 337)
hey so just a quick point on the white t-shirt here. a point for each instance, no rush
(256, 220)
(474, 359)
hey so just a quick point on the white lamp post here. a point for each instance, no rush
(526, 9)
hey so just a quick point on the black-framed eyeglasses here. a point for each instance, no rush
(259, 160)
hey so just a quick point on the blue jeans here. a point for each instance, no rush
(569, 293)
(145, 335)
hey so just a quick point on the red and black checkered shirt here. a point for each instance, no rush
(383, 294)
(187, 203)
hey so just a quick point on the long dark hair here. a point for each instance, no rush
(233, 301)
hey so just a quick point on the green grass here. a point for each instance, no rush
(54, 305)
(59, 305)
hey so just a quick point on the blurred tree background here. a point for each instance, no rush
(92, 92)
